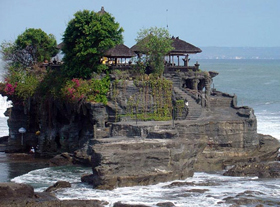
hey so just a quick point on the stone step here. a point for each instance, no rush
(195, 109)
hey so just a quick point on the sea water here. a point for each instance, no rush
(256, 84)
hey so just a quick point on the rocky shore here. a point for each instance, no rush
(204, 132)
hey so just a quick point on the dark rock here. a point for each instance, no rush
(22, 195)
(126, 160)
(163, 134)
(88, 178)
(4, 139)
(166, 204)
(197, 190)
(119, 204)
(50, 203)
(61, 160)
(15, 190)
(213, 134)
(58, 185)
(217, 156)
(252, 201)
(261, 170)
(179, 184)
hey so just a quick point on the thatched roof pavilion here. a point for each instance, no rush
(119, 51)
(181, 48)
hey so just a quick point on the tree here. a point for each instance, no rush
(155, 43)
(85, 39)
(32, 46)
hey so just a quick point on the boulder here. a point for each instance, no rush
(15, 190)
(166, 204)
(22, 195)
(61, 160)
(120, 204)
(58, 185)
(87, 178)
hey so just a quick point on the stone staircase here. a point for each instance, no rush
(195, 109)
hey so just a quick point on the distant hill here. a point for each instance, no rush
(239, 53)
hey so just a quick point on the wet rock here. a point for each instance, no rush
(165, 204)
(261, 170)
(87, 178)
(197, 190)
(119, 204)
(58, 185)
(245, 201)
(15, 190)
(179, 184)
(61, 160)
(60, 203)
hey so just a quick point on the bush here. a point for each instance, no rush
(93, 90)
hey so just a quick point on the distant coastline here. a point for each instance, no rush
(239, 53)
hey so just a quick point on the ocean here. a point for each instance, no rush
(256, 84)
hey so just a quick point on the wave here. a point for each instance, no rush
(201, 190)
(43, 178)
(4, 104)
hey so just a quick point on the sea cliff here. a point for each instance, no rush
(147, 132)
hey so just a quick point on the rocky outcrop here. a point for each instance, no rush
(61, 160)
(259, 169)
(134, 155)
(58, 185)
(22, 195)
(219, 156)
(13, 190)
(208, 132)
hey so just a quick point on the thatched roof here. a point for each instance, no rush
(119, 51)
(182, 47)
(136, 48)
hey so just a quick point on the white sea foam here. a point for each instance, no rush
(4, 104)
(269, 123)
(215, 188)
(42, 178)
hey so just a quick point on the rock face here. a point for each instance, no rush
(130, 158)
(205, 131)
(220, 155)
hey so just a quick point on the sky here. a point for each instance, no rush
(230, 23)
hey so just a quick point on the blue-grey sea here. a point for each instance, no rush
(256, 84)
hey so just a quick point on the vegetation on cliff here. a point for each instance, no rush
(86, 38)
(83, 78)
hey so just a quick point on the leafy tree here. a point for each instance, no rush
(86, 38)
(32, 46)
(44, 45)
(155, 43)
